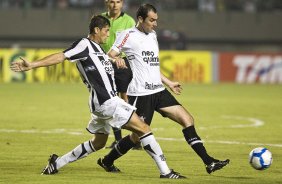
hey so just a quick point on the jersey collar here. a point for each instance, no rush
(121, 15)
(141, 31)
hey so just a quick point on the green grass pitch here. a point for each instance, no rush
(39, 119)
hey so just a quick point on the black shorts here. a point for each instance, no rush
(146, 105)
(122, 77)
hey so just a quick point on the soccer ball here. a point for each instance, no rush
(260, 158)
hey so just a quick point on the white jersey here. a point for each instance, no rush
(142, 51)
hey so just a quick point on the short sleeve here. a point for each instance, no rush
(120, 42)
(77, 51)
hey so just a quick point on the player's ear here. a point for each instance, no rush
(96, 30)
(140, 19)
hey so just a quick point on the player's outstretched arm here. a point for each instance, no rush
(175, 87)
(24, 65)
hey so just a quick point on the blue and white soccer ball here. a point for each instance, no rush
(260, 158)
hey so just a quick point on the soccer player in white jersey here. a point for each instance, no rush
(119, 21)
(146, 90)
(107, 109)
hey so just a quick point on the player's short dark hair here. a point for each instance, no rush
(144, 9)
(98, 21)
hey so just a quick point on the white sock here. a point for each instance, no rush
(77, 153)
(154, 150)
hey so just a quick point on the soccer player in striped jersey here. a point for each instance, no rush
(107, 109)
(147, 92)
(119, 21)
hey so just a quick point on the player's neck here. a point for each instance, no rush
(141, 29)
(94, 38)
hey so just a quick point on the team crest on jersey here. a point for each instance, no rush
(131, 57)
(90, 68)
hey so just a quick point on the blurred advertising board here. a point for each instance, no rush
(64, 72)
(187, 66)
(250, 67)
(182, 66)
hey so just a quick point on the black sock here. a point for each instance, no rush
(196, 143)
(122, 147)
(117, 133)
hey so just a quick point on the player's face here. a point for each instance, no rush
(150, 22)
(115, 6)
(103, 34)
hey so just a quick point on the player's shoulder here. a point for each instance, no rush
(83, 39)
(78, 41)
(128, 31)
(153, 33)
(84, 42)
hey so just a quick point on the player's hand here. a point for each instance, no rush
(175, 87)
(120, 63)
(20, 66)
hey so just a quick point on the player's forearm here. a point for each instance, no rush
(48, 61)
(165, 80)
(113, 55)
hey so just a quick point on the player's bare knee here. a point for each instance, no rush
(187, 120)
(97, 146)
(98, 143)
(145, 128)
(142, 129)
(190, 120)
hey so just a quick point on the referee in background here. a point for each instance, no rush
(119, 22)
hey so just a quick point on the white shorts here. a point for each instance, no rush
(114, 112)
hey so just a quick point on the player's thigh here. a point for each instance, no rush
(178, 114)
(145, 107)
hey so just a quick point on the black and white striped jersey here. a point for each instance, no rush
(95, 69)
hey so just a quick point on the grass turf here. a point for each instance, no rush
(39, 119)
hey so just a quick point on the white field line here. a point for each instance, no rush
(224, 142)
(75, 132)
(251, 122)
(248, 122)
